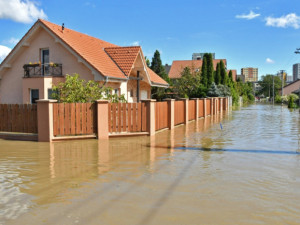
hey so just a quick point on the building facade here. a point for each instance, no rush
(296, 71)
(48, 52)
(199, 56)
(250, 74)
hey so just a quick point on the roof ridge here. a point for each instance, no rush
(68, 29)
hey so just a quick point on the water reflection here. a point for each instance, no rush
(158, 179)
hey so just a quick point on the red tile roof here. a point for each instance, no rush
(155, 78)
(124, 57)
(179, 65)
(108, 59)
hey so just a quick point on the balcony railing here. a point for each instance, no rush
(41, 70)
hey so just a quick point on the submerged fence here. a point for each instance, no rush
(74, 119)
(18, 118)
(52, 120)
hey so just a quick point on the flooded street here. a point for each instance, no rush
(243, 168)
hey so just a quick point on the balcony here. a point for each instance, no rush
(42, 70)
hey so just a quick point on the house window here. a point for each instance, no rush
(45, 59)
(50, 94)
(116, 91)
(34, 95)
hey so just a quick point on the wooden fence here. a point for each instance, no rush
(127, 117)
(208, 106)
(18, 118)
(161, 115)
(74, 119)
(192, 109)
(179, 112)
(201, 108)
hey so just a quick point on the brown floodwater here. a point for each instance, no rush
(238, 168)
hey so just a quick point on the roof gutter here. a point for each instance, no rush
(160, 85)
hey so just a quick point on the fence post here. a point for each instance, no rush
(45, 119)
(102, 119)
(221, 105)
(211, 107)
(196, 108)
(186, 110)
(150, 105)
(204, 107)
(171, 114)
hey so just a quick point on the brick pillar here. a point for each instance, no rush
(196, 108)
(150, 105)
(204, 107)
(171, 115)
(45, 119)
(102, 119)
(221, 105)
(186, 110)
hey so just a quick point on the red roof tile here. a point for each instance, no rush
(89, 48)
(155, 78)
(179, 65)
(108, 59)
(124, 57)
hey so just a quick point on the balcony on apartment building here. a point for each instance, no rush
(42, 70)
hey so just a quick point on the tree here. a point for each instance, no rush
(218, 74)
(157, 66)
(189, 84)
(266, 84)
(230, 79)
(147, 61)
(204, 79)
(75, 89)
(223, 73)
(210, 68)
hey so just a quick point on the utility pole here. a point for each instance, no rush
(281, 71)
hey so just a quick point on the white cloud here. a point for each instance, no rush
(289, 20)
(135, 43)
(4, 51)
(249, 16)
(23, 11)
(270, 61)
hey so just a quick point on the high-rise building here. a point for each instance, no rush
(250, 74)
(199, 56)
(296, 71)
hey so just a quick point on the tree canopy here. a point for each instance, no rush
(75, 89)
(266, 84)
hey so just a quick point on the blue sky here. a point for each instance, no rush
(261, 34)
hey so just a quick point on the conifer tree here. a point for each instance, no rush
(218, 74)
(204, 72)
(223, 73)
(210, 69)
(230, 79)
(157, 67)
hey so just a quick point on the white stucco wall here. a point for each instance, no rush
(11, 86)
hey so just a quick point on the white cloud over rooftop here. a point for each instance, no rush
(22, 11)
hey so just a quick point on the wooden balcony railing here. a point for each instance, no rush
(41, 70)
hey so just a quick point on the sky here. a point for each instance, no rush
(262, 34)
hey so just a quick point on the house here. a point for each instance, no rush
(293, 87)
(48, 52)
(178, 66)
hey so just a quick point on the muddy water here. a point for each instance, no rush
(245, 170)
